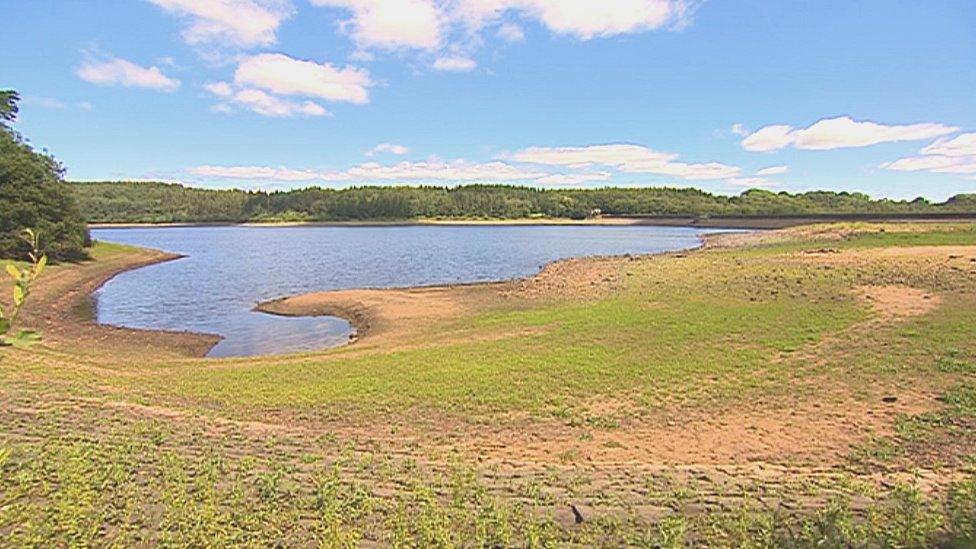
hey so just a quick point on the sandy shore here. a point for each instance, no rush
(62, 304)
(61, 308)
(393, 314)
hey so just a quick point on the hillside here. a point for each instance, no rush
(149, 202)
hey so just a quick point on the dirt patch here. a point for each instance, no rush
(896, 302)
(810, 431)
(378, 313)
(961, 255)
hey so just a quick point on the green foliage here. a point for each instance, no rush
(33, 194)
(142, 202)
(8, 106)
(23, 280)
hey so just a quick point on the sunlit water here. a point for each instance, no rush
(229, 270)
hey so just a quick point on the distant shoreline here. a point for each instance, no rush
(713, 222)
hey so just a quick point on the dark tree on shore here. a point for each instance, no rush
(33, 195)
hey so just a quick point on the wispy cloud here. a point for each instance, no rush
(455, 63)
(773, 170)
(635, 159)
(263, 103)
(284, 75)
(391, 148)
(953, 156)
(840, 132)
(236, 23)
(454, 28)
(431, 170)
(260, 81)
(114, 71)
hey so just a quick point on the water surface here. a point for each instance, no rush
(229, 270)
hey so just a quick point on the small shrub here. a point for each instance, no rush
(23, 281)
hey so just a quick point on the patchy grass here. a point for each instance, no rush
(452, 440)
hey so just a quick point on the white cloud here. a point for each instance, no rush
(571, 179)
(962, 145)
(955, 156)
(458, 170)
(510, 32)
(455, 63)
(587, 20)
(456, 26)
(242, 23)
(255, 172)
(119, 72)
(391, 148)
(773, 170)
(769, 138)
(625, 158)
(284, 75)
(431, 170)
(607, 155)
(740, 130)
(583, 20)
(266, 104)
(391, 24)
(700, 171)
(220, 89)
(936, 164)
(840, 132)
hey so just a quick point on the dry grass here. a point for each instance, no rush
(729, 395)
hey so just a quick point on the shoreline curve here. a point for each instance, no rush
(375, 312)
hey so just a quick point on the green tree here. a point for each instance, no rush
(8, 106)
(34, 195)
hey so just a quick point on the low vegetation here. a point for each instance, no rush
(775, 393)
(23, 280)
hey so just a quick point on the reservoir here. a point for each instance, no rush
(230, 269)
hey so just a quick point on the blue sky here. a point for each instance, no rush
(871, 96)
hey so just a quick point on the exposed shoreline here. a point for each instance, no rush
(385, 311)
(368, 310)
(61, 309)
(710, 222)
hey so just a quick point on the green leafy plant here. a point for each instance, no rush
(24, 278)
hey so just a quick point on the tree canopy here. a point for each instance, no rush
(34, 196)
(147, 202)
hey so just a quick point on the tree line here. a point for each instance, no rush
(149, 202)
(33, 195)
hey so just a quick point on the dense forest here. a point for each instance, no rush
(34, 196)
(131, 202)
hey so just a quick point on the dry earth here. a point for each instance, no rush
(799, 439)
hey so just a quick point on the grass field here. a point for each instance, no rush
(814, 387)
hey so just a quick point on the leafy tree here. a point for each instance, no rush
(33, 195)
(8, 106)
